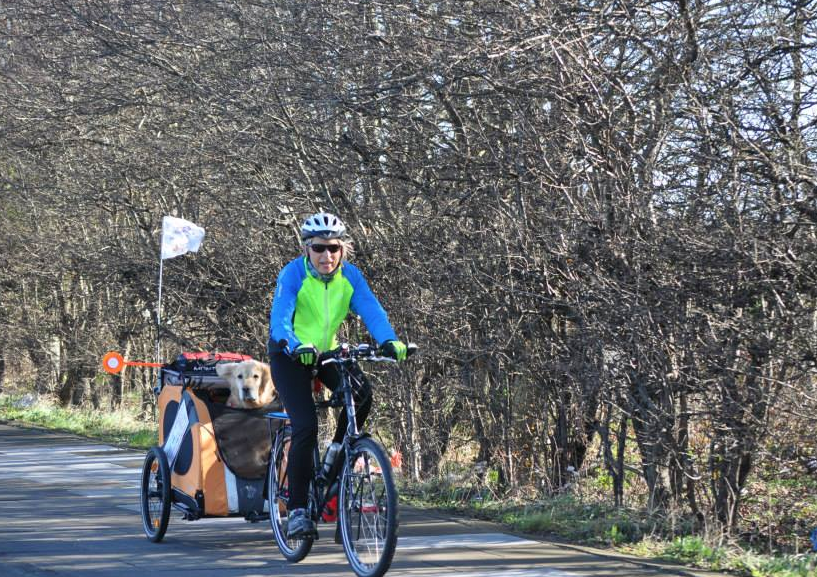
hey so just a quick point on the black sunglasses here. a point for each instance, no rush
(319, 248)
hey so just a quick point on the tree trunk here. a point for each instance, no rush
(614, 463)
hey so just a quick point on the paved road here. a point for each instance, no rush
(69, 506)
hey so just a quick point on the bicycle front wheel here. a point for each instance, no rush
(368, 509)
(293, 550)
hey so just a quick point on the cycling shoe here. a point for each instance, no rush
(299, 525)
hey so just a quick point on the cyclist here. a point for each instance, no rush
(313, 295)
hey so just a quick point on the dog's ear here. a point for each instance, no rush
(266, 379)
(225, 369)
(266, 375)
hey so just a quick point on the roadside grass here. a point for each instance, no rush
(597, 524)
(699, 552)
(118, 427)
(582, 520)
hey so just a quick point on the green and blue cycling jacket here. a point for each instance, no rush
(307, 309)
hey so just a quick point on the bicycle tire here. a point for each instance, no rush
(155, 494)
(368, 509)
(293, 550)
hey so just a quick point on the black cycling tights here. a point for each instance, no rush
(294, 383)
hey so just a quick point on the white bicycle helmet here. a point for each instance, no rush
(323, 225)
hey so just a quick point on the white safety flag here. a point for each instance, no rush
(180, 236)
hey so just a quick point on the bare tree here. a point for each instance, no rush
(597, 219)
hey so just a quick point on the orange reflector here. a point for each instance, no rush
(113, 363)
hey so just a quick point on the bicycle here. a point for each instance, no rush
(360, 477)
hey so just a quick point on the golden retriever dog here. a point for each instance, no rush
(250, 384)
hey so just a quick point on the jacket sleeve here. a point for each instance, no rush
(282, 311)
(365, 304)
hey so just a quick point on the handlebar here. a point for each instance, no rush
(352, 354)
(347, 353)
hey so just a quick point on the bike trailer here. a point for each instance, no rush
(218, 455)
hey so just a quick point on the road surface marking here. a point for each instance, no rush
(479, 540)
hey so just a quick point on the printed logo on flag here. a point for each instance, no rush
(180, 236)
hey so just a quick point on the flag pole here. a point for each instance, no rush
(159, 311)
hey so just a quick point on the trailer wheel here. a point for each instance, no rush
(155, 494)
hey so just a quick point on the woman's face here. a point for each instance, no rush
(321, 256)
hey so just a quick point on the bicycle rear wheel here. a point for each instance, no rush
(293, 550)
(368, 509)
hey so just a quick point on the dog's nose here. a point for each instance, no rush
(248, 395)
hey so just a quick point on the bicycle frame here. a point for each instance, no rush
(321, 489)
(361, 476)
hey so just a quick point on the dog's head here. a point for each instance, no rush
(250, 383)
